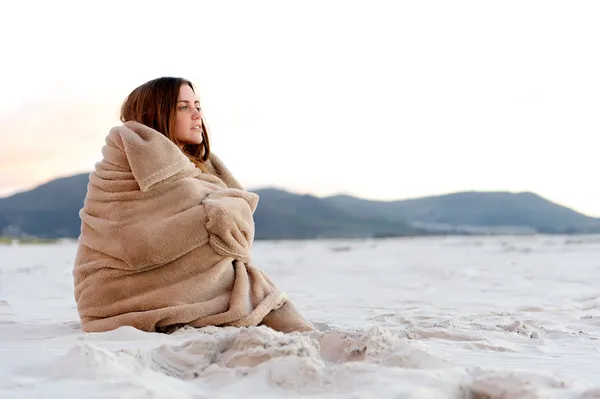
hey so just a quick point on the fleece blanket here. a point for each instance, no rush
(164, 244)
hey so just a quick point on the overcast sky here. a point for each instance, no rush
(378, 99)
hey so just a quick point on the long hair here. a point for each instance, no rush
(154, 104)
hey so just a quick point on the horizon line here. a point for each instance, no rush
(303, 192)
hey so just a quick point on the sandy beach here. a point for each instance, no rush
(454, 317)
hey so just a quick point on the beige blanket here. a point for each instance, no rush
(164, 245)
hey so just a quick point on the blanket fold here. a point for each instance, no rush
(164, 244)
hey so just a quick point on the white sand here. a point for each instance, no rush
(496, 317)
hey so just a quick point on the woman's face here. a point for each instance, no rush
(188, 118)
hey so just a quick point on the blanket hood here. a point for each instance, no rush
(150, 156)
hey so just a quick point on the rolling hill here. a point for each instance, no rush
(51, 210)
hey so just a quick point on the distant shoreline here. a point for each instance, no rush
(8, 240)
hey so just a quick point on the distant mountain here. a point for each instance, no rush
(492, 210)
(281, 214)
(52, 210)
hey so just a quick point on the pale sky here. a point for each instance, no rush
(378, 99)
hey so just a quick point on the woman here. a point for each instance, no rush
(167, 231)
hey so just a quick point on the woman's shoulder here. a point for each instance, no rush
(219, 168)
(138, 130)
(150, 156)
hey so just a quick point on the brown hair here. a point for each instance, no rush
(154, 104)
